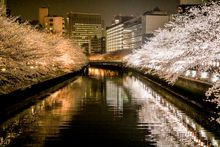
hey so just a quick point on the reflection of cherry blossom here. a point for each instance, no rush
(169, 126)
(28, 56)
(188, 41)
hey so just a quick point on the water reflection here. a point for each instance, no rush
(41, 120)
(100, 74)
(106, 109)
(169, 126)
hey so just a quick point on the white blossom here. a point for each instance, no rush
(188, 41)
(28, 56)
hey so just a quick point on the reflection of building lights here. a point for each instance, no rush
(101, 73)
(187, 129)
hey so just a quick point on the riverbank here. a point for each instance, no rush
(188, 89)
(29, 56)
(21, 98)
(33, 63)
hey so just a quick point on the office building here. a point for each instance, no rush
(114, 37)
(114, 33)
(132, 33)
(43, 12)
(153, 20)
(54, 24)
(86, 29)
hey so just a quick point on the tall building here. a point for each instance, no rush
(86, 29)
(54, 24)
(3, 4)
(43, 12)
(51, 24)
(114, 37)
(132, 33)
(114, 33)
(153, 20)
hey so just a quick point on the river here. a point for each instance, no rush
(110, 108)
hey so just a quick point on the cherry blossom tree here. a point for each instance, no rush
(189, 41)
(28, 56)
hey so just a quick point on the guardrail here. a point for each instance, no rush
(116, 63)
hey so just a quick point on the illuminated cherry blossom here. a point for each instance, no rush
(188, 41)
(28, 56)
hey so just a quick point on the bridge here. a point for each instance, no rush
(114, 63)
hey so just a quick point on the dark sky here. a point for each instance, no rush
(28, 9)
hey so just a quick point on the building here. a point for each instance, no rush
(151, 21)
(51, 24)
(185, 5)
(190, 2)
(54, 24)
(86, 29)
(43, 12)
(132, 33)
(114, 37)
(95, 45)
(103, 44)
(3, 4)
(114, 33)
(118, 19)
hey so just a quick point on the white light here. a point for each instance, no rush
(214, 78)
(3, 69)
(187, 73)
(203, 133)
(213, 63)
(193, 73)
(204, 75)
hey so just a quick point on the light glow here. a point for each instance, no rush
(189, 41)
(31, 56)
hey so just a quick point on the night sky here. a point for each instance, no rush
(28, 9)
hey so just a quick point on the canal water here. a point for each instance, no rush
(110, 108)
